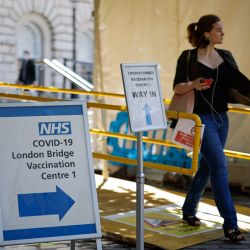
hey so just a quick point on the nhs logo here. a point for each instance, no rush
(54, 128)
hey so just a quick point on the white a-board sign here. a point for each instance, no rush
(143, 96)
(47, 186)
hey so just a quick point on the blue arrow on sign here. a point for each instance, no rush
(147, 109)
(38, 204)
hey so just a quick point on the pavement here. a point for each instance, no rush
(110, 244)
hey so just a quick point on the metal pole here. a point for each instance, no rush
(72, 245)
(98, 244)
(74, 36)
(64, 78)
(139, 195)
(74, 43)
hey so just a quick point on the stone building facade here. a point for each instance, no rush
(45, 29)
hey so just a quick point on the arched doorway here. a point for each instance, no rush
(33, 34)
(31, 40)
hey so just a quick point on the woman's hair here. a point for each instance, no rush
(196, 30)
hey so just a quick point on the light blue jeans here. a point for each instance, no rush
(213, 165)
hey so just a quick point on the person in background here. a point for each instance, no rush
(216, 80)
(27, 74)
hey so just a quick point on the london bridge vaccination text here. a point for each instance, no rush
(55, 158)
(52, 155)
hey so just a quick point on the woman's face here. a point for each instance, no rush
(216, 34)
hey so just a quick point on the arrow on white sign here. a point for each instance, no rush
(147, 109)
(38, 204)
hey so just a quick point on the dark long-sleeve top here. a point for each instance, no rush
(232, 85)
(27, 73)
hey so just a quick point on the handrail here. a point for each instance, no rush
(59, 90)
(171, 114)
(81, 92)
(239, 110)
(133, 138)
(230, 153)
(94, 93)
(145, 163)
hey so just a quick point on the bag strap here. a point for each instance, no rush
(188, 57)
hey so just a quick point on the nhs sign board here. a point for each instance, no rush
(54, 128)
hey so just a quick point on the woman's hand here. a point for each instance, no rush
(201, 83)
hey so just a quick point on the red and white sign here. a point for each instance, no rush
(183, 133)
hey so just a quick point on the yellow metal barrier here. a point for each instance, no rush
(129, 161)
(103, 94)
(58, 90)
(171, 114)
(245, 111)
(230, 153)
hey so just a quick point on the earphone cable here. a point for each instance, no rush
(213, 111)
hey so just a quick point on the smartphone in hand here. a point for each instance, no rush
(207, 81)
